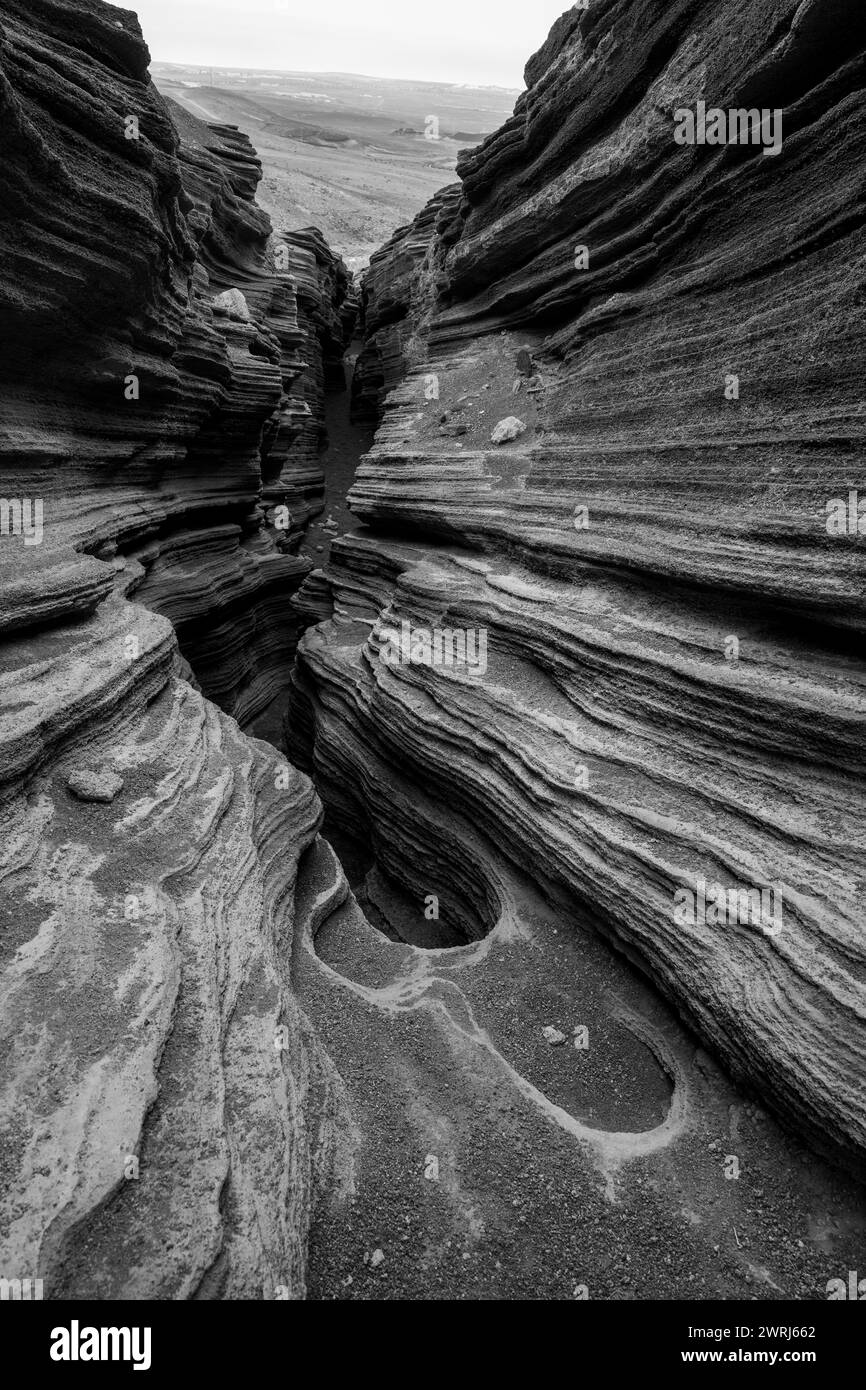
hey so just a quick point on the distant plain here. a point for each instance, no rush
(340, 151)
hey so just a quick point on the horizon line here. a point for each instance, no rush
(334, 72)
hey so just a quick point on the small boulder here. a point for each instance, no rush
(507, 429)
(376, 1258)
(553, 1036)
(232, 304)
(94, 784)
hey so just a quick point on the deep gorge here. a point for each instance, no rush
(282, 921)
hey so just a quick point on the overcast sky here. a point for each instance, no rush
(478, 41)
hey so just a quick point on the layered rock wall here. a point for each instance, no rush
(394, 301)
(167, 1112)
(669, 690)
(163, 347)
(674, 688)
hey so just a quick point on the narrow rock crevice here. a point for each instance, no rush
(673, 684)
(308, 951)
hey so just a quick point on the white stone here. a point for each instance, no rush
(233, 305)
(507, 429)
(553, 1036)
(94, 784)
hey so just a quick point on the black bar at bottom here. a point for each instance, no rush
(162, 1340)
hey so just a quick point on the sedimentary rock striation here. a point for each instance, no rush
(225, 1072)
(674, 689)
(161, 376)
(164, 348)
(393, 306)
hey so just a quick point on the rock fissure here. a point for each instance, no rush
(342, 953)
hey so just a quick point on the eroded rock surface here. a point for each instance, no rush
(167, 1111)
(153, 327)
(235, 1065)
(674, 687)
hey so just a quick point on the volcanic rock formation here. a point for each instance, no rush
(236, 1065)
(163, 365)
(673, 693)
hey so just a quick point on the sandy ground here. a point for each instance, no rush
(347, 443)
(489, 1164)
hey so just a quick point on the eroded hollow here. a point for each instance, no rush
(423, 884)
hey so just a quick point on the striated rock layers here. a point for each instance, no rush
(392, 309)
(217, 1078)
(166, 1110)
(672, 700)
(164, 355)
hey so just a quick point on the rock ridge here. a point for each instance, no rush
(674, 691)
(168, 1113)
